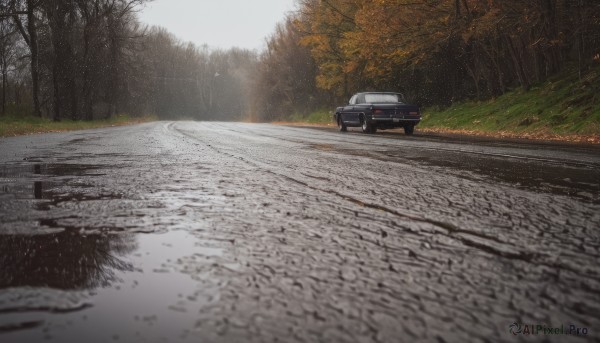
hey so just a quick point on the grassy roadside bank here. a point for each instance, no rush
(322, 116)
(16, 126)
(566, 108)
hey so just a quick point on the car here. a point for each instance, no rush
(378, 111)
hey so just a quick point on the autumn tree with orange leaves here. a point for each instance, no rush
(441, 51)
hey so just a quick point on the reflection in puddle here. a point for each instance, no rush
(53, 183)
(37, 189)
(147, 295)
(27, 181)
(64, 260)
(18, 171)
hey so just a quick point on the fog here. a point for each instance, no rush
(95, 59)
(220, 24)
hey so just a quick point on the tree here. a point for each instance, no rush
(30, 37)
(7, 56)
(286, 80)
(446, 50)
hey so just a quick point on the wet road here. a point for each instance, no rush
(225, 232)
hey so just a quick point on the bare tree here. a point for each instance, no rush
(7, 33)
(16, 9)
(92, 59)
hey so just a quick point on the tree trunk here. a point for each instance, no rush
(4, 84)
(518, 65)
(87, 82)
(56, 106)
(33, 46)
(72, 70)
(114, 68)
(475, 76)
(73, 91)
(457, 8)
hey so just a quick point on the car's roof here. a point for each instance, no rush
(377, 93)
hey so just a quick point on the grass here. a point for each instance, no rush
(565, 105)
(318, 117)
(15, 126)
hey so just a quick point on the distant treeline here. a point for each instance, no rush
(88, 59)
(91, 59)
(434, 51)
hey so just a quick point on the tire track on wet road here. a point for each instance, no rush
(449, 230)
(415, 142)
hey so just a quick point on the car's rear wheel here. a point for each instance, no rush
(340, 123)
(366, 126)
(409, 129)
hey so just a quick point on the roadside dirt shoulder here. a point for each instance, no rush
(535, 136)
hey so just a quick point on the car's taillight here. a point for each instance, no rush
(378, 111)
(413, 113)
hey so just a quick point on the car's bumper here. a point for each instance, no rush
(384, 122)
(395, 122)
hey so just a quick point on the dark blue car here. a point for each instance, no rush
(378, 111)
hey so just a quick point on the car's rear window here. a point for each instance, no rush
(381, 98)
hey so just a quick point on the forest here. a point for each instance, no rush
(93, 59)
(89, 59)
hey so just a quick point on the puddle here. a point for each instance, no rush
(75, 264)
(52, 184)
(34, 181)
(65, 260)
(18, 171)
(65, 286)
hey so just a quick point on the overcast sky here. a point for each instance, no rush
(218, 23)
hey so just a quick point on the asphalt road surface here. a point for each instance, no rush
(229, 232)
